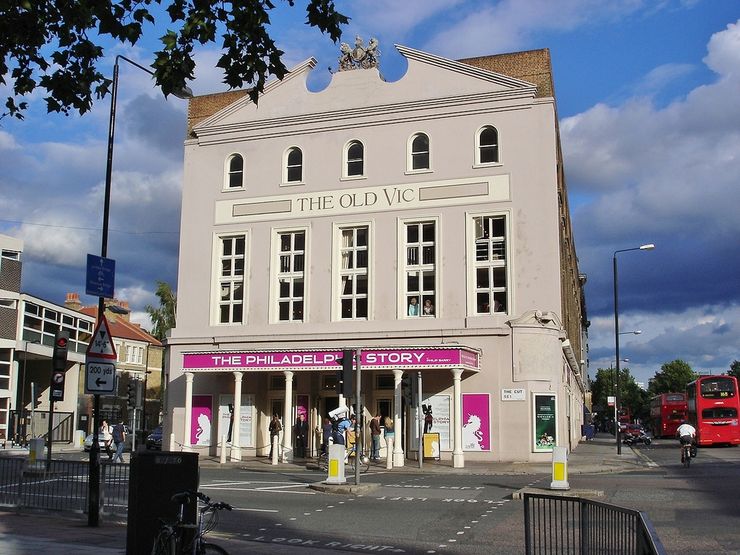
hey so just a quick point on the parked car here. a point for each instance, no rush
(126, 442)
(154, 440)
(89, 441)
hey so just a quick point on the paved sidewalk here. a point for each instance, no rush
(51, 533)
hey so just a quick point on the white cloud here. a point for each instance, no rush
(482, 28)
(7, 141)
(696, 335)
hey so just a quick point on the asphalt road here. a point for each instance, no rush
(406, 513)
(693, 510)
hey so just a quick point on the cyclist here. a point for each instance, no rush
(686, 434)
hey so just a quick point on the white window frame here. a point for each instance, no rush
(410, 154)
(507, 263)
(286, 155)
(227, 172)
(218, 280)
(346, 160)
(276, 274)
(403, 268)
(339, 272)
(478, 163)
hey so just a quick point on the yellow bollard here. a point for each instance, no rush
(559, 468)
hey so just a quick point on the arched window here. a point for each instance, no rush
(419, 152)
(236, 171)
(355, 159)
(488, 146)
(294, 165)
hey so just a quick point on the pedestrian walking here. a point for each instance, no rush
(105, 435)
(301, 436)
(119, 439)
(275, 428)
(375, 437)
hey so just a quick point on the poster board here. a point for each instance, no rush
(431, 445)
(544, 422)
(226, 425)
(439, 406)
(476, 421)
(201, 419)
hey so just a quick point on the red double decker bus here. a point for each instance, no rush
(667, 411)
(713, 406)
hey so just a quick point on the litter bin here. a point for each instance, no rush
(154, 477)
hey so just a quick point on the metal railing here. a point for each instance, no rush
(63, 486)
(557, 524)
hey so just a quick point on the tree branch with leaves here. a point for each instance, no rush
(47, 44)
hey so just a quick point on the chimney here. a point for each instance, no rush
(73, 301)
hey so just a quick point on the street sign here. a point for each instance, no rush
(101, 275)
(100, 376)
(101, 345)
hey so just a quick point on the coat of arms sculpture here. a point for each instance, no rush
(359, 57)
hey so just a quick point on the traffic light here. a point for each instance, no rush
(58, 365)
(59, 358)
(345, 377)
(35, 397)
(132, 390)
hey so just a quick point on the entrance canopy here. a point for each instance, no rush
(372, 358)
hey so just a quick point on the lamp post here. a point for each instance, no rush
(94, 497)
(646, 247)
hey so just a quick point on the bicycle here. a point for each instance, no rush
(352, 459)
(180, 537)
(686, 454)
(323, 461)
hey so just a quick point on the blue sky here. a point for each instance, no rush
(648, 96)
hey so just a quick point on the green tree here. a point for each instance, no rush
(163, 318)
(47, 44)
(672, 377)
(632, 397)
(735, 369)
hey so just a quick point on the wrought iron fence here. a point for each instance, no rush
(62, 485)
(557, 524)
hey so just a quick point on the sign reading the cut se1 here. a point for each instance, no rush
(100, 376)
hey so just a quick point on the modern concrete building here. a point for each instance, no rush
(28, 325)
(423, 222)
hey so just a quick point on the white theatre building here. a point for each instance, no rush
(424, 222)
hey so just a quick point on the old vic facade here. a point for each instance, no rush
(423, 222)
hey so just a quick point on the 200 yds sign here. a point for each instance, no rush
(100, 377)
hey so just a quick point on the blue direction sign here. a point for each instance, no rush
(101, 275)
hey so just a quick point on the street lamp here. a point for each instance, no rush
(646, 247)
(94, 497)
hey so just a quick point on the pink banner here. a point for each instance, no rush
(371, 359)
(476, 417)
(201, 419)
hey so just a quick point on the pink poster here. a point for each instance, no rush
(476, 422)
(302, 405)
(200, 420)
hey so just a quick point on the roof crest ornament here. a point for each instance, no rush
(359, 57)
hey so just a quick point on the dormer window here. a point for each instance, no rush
(235, 169)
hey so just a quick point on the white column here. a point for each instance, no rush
(287, 418)
(188, 411)
(398, 457)
(236, 448)
(458, 458)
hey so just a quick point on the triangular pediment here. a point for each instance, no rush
(430, 81)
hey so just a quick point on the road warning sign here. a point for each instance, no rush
(101, 345)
